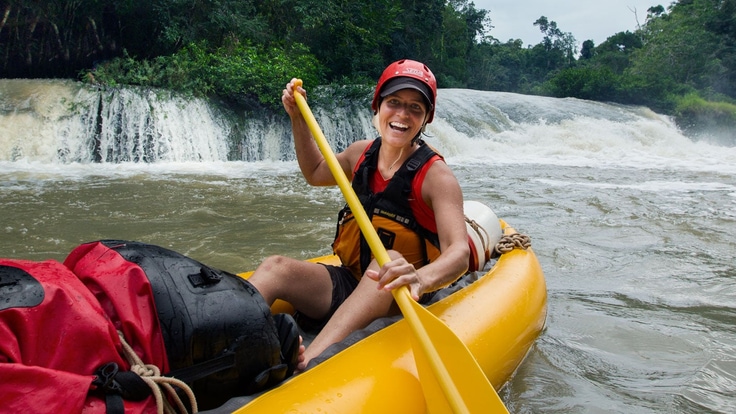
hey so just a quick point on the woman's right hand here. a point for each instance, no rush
(287, 98)
(397, 273)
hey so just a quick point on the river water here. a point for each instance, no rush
(634, 224)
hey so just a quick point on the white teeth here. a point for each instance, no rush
(399, 125)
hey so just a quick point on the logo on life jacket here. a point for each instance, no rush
(393, 216)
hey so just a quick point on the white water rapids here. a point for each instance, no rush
(633, 222)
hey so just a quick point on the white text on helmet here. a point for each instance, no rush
(415, 72)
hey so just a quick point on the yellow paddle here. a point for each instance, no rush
(452, 380)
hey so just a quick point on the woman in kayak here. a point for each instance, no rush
(414, 202)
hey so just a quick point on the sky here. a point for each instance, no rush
(585, 19)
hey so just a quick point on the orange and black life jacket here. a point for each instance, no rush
(390, 213)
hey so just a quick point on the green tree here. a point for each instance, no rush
(723, 25)
(344, 35)
(588, 50)
(55, 36)
(676, 51)
(418, 32)
(586, 82)
(559, 45)
(182, 22)
(462, 26)
(615, 52)
(501, 67)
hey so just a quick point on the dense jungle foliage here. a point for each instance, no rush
(681, 60)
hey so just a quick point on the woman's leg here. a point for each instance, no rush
(305, 285)
(362, 307)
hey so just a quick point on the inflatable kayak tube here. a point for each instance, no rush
(498, 315)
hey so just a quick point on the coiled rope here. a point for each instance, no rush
(159, 384)
(510, 242)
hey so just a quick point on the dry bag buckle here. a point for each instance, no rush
(106, 384)
(105, 379)
(205, 277)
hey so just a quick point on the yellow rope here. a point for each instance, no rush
(151, 375)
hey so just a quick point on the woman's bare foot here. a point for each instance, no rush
(301, 361)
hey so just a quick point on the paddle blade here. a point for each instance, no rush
(452, 381)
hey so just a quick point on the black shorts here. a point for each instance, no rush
(343, 284)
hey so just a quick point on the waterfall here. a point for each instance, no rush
(70, 122)
(67, 122)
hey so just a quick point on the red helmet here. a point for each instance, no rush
(404, 74)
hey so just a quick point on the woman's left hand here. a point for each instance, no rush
(395, 274)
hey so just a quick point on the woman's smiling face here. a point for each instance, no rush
(401, 116)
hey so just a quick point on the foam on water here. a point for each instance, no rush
(631, 137)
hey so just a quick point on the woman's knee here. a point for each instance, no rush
(273, 263)
(270, 276)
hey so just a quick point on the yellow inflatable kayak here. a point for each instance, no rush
(498, 317)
